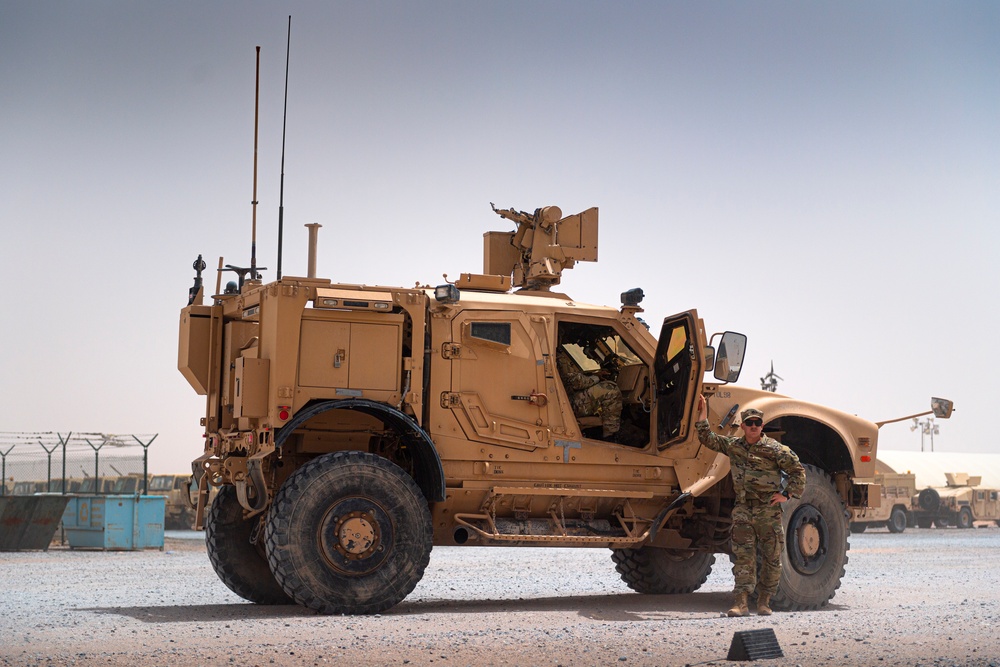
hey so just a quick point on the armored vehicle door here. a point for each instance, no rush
(498, 377)
(678, 371)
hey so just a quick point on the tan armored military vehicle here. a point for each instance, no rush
(894, 508)
(961, 503)
(350, 428)
(177, 511)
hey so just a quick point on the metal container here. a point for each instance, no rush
(118, 522)
(29, 522)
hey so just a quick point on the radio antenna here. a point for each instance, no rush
(253, 202)
(284, 118)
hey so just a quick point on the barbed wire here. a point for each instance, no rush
(72, 441)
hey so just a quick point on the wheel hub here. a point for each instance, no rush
(354, 535)
(807, 539)
(357, 535)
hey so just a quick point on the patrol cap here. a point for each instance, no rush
(751, 413)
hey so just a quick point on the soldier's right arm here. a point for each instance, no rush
(714, 441)
(711, 440)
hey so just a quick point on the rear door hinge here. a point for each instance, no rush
(450, 399)
(451, 350)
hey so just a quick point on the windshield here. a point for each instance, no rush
(600, 349)
(162, 483)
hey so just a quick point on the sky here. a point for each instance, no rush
(823, 177)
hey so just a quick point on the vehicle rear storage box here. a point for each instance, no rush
(115, 522)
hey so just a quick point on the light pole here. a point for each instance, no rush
(927, 427)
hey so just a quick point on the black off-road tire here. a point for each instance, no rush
(965, 518)
(897, 520)
(662, 571)
(816, 545)
(349, 533)
(929, 500)
(924, 522)
(857, 527)
(241, 565)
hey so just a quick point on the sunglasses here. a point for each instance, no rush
(753, 422)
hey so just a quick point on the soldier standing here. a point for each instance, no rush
(590, 395)
(757, 464)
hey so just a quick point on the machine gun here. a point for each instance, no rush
(542, 247)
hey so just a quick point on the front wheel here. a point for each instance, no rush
(858, 527)
(897, 520)
(965, 519)
(816, 530)
(662, 571)
(349, 533)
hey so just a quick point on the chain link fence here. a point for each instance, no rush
(89, 463)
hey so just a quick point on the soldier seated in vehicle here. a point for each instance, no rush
(590, 394)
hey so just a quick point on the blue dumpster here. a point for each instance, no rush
(115, 522)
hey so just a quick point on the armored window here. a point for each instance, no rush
(980, 495)
(495, 332)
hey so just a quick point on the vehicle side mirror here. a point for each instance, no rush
(942, 407)
(729, 360)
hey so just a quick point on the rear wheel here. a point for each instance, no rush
(965, 519)
(858, 527)
(349, 533)
(816, 530)
(897, 520)
(662, 571)
(241, 565)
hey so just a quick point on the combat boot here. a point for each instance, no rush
(739, 605)
(764, 604)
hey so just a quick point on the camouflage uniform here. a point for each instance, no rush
(757, 471)
(590, 395)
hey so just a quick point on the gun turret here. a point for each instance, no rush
(543, 246)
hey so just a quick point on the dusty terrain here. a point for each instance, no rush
(925, 597)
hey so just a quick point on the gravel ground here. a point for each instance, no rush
(925, 597)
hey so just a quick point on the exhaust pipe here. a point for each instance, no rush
(313, 228)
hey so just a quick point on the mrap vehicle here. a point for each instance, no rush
(350, 428)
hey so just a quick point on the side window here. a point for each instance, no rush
(493, 332)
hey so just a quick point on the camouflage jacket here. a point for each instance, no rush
(757, 469)
(574, 378)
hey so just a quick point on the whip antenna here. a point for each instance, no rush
(253, 236)
(284, 118)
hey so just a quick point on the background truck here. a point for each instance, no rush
(961, 503)
(895, 503)
(350, 428)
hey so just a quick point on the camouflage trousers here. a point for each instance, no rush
(604, 400)
(757, 528)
